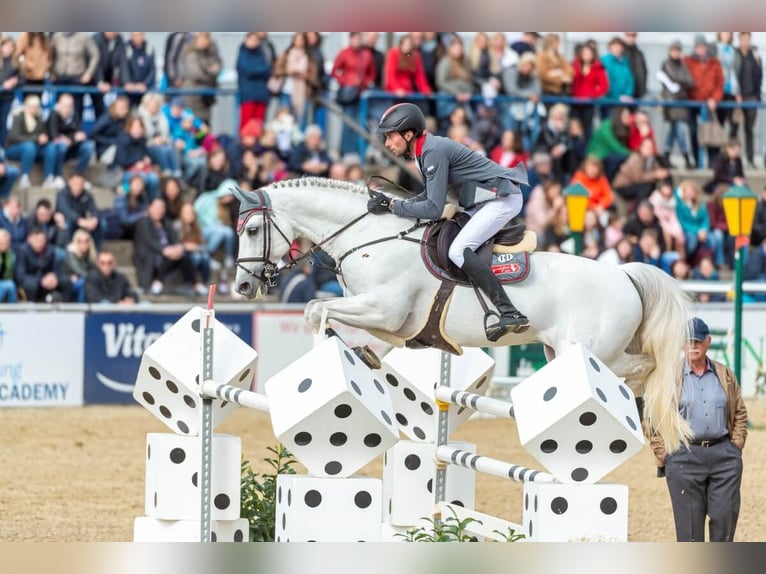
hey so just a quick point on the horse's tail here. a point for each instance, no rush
(662, 334)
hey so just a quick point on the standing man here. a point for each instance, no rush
(637, 63)
(704, 478)
(749, 73)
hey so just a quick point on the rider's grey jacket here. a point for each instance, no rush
(447, 165)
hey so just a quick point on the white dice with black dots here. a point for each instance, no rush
(147, 529)
(409, 473)
(312, 509)
(577, 418)
(167, 384)
(554, 512)
(413, 374)
(172, 477)
(331, 411)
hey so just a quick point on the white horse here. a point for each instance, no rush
(633, 317)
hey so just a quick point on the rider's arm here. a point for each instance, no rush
(436, 169)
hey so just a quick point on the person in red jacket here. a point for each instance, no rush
(404, 72)
(590, 81)
(707, 74)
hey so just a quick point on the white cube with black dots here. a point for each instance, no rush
(413, 374)
(577, 418)
(554, 512)
(167, 384)
(147, 529)
(172, 477)
(312, 509)
(409, 474)
(331, 411)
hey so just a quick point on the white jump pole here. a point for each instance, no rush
(490, 466)
(236, 395)
(502, 409)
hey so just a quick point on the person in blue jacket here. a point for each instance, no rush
(253, 71)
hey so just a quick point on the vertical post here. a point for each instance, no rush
(577, 238)
(206, 424)
(442, 436)
(739, 256)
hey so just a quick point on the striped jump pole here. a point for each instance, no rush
(480, 403)
(236, 395)
(491, 466)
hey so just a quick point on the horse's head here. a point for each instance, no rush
(262, 242)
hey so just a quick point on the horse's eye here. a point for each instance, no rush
(252, 232)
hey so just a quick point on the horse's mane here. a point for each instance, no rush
(320, 182)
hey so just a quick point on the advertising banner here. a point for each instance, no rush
(41, 362)
(115, 342)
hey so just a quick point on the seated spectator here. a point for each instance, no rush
(557, 231)
(727, 167)
(755, 268)
(79, 209)
(486, 128)
(706, 271)
(131, 205)
(285, 133)
(719, 225)
(80, 259)
(554, 140)
(639, 176)
(39, 272)
(641, 219)
(8, 176)
(68, 138)
(545, 203)
(105, 284)
(577, 145)
(140, 70)
(592, 236)
(458, 117)
(639, 130)
(12, 221)
(453, 78)
(540, 171)
(323, 273)
(621, 253)
(609, 141)
(462, 135)
(52, 223)
(680, 270)
(510, 151)
(132, 156)
(28, 141)
(355, 174)
(217, 170)
(591, 177)
(695, 221)
(297, 285)
(269, 169)
(8, 291)
(647, 250)
(9, 80)
(171, 192)
(159, 144)
(664, 203)
(212, 207)
(247, 142)
(157, 253)
(189, 233)
(107, 129)
(613, 231)
(310, 156)
(188, 133)
(337, 171)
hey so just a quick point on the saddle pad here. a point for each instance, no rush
(510, 267)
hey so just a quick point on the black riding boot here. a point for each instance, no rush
(510, 319)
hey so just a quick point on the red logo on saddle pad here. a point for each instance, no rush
(506, 268)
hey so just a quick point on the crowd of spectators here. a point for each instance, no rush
(172, 174)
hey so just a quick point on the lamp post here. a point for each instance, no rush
(739, 206)
(576, 197)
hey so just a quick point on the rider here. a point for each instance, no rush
(487, 191)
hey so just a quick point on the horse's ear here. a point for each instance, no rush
(238, 192)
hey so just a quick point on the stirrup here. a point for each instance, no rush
(517, 323)
(367, 356)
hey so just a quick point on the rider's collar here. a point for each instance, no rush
(419, 144)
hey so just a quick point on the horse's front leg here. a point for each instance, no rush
(365, 311)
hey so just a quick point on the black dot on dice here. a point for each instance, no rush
(530, 529)
(362, 499)
(389, 505)
(149, 452)
(549, 394)
(222, 501)
(177, 455)
(426, 408)
(194, 479)
(190, 402)
(155, 373)
(624, 392)
(333, 467)
(584, 446)
(349, 357)
(239, 536)
(172, 387)
(526, 501)
(412, 462)
(594, 364)
(409, 394)
(284, 520)
(608, 505)
(392, 380)
(430, 485)
(618, 446)
(601, 395)
(196, 379)
(279, 494)
(148, 398)
(548, 446)
(379, 386)
(385, 416)
(630, 422)
(338, 438)
(155, 499)
(343, 411)
(356, 388)
(481, 382)
(195, 325)
(559, 505)
(579, 474)
(213, 537)
(242, 377)
(587, 419)
(419, 432)
(372, 440)
(289, 496)
(534, 503)
(304, 385)
(401, 419)
(165, 412)
(302, 438)
(183, 427)
(457, 503)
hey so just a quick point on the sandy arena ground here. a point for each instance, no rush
(78, 474)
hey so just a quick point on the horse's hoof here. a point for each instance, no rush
(368, 357)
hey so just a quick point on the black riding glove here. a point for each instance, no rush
(379, 204)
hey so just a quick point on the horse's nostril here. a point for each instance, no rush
(244, 287)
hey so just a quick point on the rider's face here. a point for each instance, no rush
(396, 143)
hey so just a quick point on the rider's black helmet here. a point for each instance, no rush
(401, 118)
